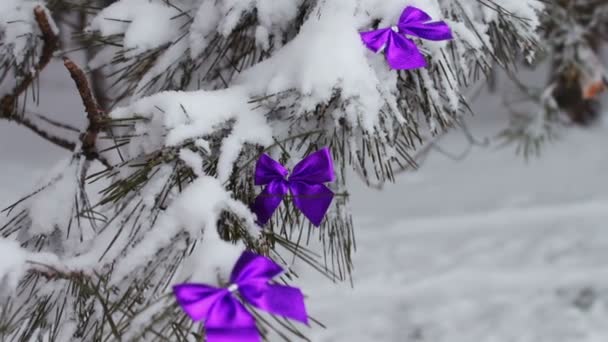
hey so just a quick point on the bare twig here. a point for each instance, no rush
(57, 124)
(58, 141)
(96, 116)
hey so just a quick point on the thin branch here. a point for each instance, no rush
(8, 102)
(51, 42)
(55, 123)
(51, 272)
(58, 141)
(96, 116)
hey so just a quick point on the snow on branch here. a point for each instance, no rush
(174, 118)
(16, 262)
(20, 23)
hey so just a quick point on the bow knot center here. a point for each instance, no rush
(395, 29)
(233, 288)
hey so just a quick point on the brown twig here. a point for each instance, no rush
(96, 116)
(61, 142)
(8, 103)
(51, 42)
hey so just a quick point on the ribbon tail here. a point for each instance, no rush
(276, 299)
(403, 54)
(435, 31)
(376, 40)
(268, 201)
(313, 200)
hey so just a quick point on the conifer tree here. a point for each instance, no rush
(159, 186)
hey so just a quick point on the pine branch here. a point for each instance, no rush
(9, 101)
(52, 273)
(51, 42)
(57, 133)
(96, 116)
(44, 134)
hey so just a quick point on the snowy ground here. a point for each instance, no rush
(490, 249)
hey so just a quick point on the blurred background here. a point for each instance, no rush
(499, 235)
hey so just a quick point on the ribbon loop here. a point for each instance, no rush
(252, 267)
(431, 31)
(317, 168)
(268, 170)
(413, 14)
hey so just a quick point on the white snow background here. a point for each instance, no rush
(489, 249)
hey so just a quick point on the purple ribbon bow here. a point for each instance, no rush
(226, 318)
(401, 52)
(305, 183)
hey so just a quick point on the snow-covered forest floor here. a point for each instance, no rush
(488, 249)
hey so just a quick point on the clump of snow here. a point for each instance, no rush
(177, 116)
(211, 261)
(15, 261)
(270, 13)
(196, 211)
(193, 160)
(145, 24)
(325, 56)
(203, 26)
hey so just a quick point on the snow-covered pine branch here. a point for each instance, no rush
(200, 91)
(29, 38)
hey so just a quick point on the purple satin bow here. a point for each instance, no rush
(401, 52)
(305, 183)
(226, 318)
